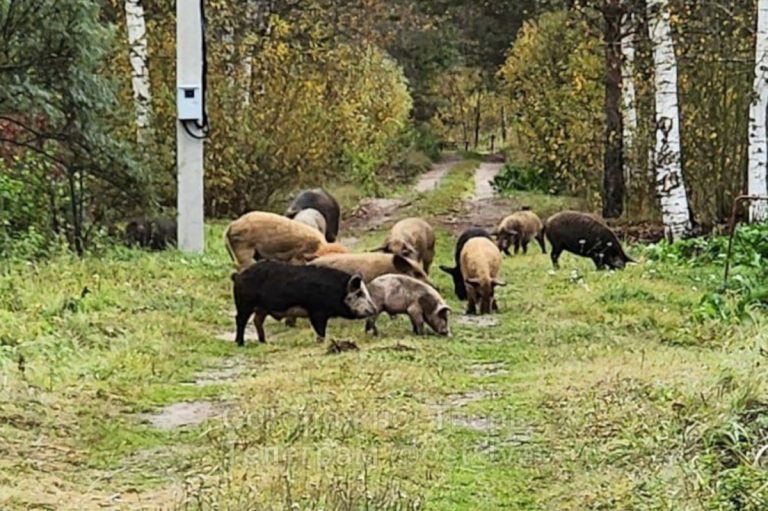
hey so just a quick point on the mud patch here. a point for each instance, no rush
(188, 413)
(230, 370)
(474, 423)
(372, 214)
(477, 321)
(488, 370)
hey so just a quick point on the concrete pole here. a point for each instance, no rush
(189, 156)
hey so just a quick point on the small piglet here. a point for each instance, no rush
(400, 294)
(271, 288)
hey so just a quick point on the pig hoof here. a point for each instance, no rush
(321, 340)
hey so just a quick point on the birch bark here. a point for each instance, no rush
(670, 185)
(758, 160)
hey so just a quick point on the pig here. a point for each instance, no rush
(280, 289)
(260, 235)
(312, 218)
(371, 265)
(152, 233)
(400, 294)
(480, 265)
(519, 229)
(322, 201)
(455, 272)
(587, 236)
(412, 238)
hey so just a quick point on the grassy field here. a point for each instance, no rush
(588, 391)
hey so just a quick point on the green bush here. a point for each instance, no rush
(748, 285)
(518, 177)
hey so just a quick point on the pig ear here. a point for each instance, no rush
(497, 282)
(473, 282)
(443, 311)
(355, 283)
(401, 264)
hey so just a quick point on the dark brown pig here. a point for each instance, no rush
(399, 294)
(413, 238)
(152, 233)
(458, 280)
(519, 229)
(480, 265)
(322, 201)
(587, 236)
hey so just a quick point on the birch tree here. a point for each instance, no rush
(629, 110)
(137, 45)
(758, 160)
(670, 185)
(257, 15)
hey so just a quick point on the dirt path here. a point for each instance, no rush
(483, 177)
(374, 213)
(431, 179)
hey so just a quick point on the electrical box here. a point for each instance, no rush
(189, 103)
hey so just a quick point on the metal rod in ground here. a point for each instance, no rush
(732, 225)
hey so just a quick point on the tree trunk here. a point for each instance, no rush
(670, 185)
(503, 126)
(477, 122)
(137, 45)
(613, 176)
(629, 115)
(758, 160)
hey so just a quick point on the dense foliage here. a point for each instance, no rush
(552, 82)
(748, 284)
(61, 165)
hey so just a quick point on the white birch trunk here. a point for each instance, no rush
(629, 111)
(758, 160)
(137, 45)
(669, 176)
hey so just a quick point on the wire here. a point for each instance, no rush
(205, 127)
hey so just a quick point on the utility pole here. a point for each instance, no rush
(191, 124)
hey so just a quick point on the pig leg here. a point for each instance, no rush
(517, 245)
(258, 320)
(525, 247)
(319, 324)
(540, 239)
(244, 256)
(471, 305)
(494, 305)
(241, 321)
(370, 325)
(555, 256)
(417, 319)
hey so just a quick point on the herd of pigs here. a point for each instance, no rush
(292, 266)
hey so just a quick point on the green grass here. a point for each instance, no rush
(593, 391)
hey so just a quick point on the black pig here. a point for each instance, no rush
(587, 236)
(458, 279)
(280, 290)
(322, 201)
(152, 233)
